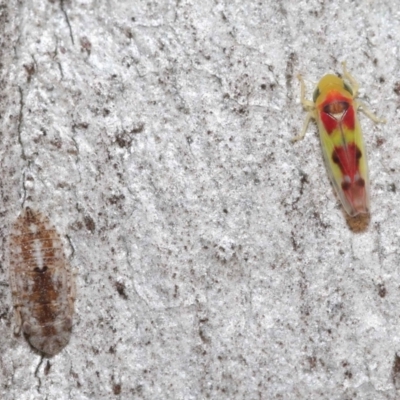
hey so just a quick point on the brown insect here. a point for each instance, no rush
(42, 284)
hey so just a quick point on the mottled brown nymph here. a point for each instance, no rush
(42, 284)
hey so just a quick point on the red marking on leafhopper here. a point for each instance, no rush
(337, 110)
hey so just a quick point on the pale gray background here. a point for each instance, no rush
(214, 260)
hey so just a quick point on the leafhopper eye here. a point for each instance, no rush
(348, 88)
(316, 94)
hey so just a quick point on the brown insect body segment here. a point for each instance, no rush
(42, 284)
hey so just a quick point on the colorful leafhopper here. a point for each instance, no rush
(334, 108)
